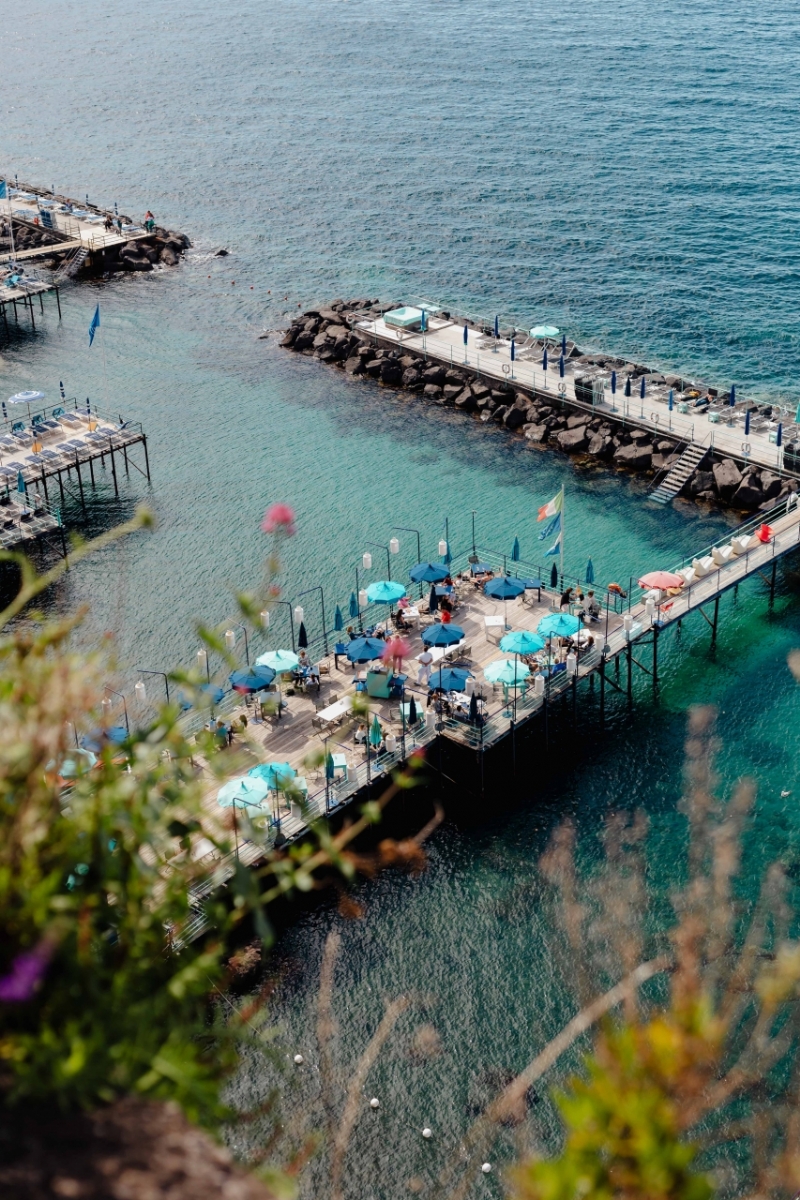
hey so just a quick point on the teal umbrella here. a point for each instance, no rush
(428, 572)
(75, 764)
(521, 642)
(558, 625)
(279, 661)
(375, 735)
(590, 571)
(353, 607)
(544, 331)
(507, 671)
(243, 790)
(385, 591)
(274, 774)
(442, 635)
(338, 620)
(329, 767)
(515, 550)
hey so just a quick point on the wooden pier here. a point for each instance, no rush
(622, 644)
(587, 388)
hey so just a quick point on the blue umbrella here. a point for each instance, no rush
(564, 344)
(515, 550)
(353, 606)
(375, 734)
(627, 385)
(302, 636)
(422, 321)
(338, 620)
(446, 555)
(747, 423)
(433, 600)
(544, 359)
(590, 571)
(449, 679)
(558, 625)
(254, 679)
(330, 769)
(554, 576)
(513, 349)
(613, 383)
(480, 568)
(732, 400)
(521, 642)
(466, 334)
(385, 591)
(95, 740)
(779, 434)
(365, 649)
(504, 588)
(242, 790)
(671, 399)
(428, 572)
(20, 483)
(642, 387)
(497, 327)
(442, 635)
(274, 774)
(561, 366)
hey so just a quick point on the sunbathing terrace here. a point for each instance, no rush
(54, 446)
(317, 721)
(717, 427)
(82, 226)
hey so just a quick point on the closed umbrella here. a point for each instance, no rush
(466, 334)
(564, 344)
(375, 735)
(365, 649)
(244, 790)
(442, 635)
(385, 591)
(473, 709)
(515, 550)
(747, 422)
(590, 571)
(558, 625)
(338, 620)
(433, 600)
(329, 767)
(428, 572)
(627, 385)
(642, 387)
(779, 434)
(613, 383)
(279, 661)
(561, 366)
(449, 679)
(353, 606)
(671, 400)
(732, 400)
(506, 670)
(412, 712)
(254, 679)
(513, 349)
(302, 636)
(554, 576)
(544, 359)
(521, 641)
(497, 327)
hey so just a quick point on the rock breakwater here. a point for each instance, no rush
(541, 419)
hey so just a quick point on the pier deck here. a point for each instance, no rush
(295, 737)
(491, 358)
(68, 223)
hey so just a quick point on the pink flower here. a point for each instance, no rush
(27, 972)
(279, 518)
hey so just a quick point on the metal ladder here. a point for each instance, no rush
(680, 474)
(71, 266)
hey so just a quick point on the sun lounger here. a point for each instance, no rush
(703, 566)
(722, 555)
(739, 545)
(687, 574)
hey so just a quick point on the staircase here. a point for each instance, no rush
(679, 474)
(71, 266)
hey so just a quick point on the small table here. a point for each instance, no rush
(493, 623)
(334, 712)
(340, 764)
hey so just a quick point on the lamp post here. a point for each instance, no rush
(141, 691)
(392, 548)
(410, 529)
(322, 604)
(230, 640)
(202, 662)
(124, 705)
(474, 557)
(285, 604)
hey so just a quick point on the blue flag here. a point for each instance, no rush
(3, 190)
(555, 548)
(95, 325)
(552, 528)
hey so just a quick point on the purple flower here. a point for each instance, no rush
(27, 972)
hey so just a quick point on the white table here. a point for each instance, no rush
(334, 711)
(494, 623)
(440, 652)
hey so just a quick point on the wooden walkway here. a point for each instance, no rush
(491, 359)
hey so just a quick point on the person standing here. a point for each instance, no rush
(425, 660)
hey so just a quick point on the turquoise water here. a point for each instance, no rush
(630, 175)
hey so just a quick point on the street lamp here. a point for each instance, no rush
(107, 704)
(265, 617)
(230, 639)
(392, 548)
(409, 529)
(141, 691)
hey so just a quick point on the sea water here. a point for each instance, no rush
(628, 173)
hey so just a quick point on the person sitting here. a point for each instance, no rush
(351, 633)
(446, 615)
(591, 609)
(566, 599)
(360, 735)
(400, 623)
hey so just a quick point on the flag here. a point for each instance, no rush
(555, 548)
(3, 190)
(95, 324)
(554, 526)
(550, 510)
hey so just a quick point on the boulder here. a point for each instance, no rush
(770, 485)
(451, 391)
(337, 331)
(481, 392)
(707, 497)
(290, 335)
(137, 264)
(665, 446)
(373, 367)
(634, 456)
(409, 360)
(434, 375)
(466, 401)
(391, 372)
(432, 391)
(536, 433)
(748, 495)
(170, 259)
(499, 413)
(576, 421)
(640, 435)
(320, 340)
(601, 446)
(573, 440)
(701, 481)
(325, 354)
(411, 378)
(303, 341)
(354, 365)
(514, 418)
(727, 478)
(341, 349)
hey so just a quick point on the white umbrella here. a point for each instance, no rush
(27, 398)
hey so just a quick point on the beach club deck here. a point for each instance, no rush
(717, 427)
(315, 723)
(74, 227)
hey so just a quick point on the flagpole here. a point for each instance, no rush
(562, 535)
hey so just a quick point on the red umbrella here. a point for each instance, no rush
(661, 580)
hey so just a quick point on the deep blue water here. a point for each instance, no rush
(627, 172)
